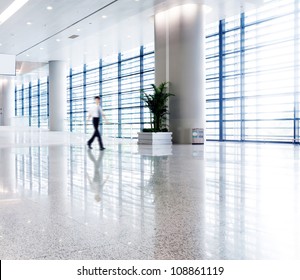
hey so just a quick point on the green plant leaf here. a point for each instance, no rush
(157, 104)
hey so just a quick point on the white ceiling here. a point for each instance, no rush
(128, 24)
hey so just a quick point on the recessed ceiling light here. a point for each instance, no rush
(41, 48)
(49, 8)
(27, 55)
(0, 44)
(104, 16)
(28, 23)
(128, 36)
(57, 40)
(78, 29)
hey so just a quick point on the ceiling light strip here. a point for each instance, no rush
(11, 10)
(71, 25)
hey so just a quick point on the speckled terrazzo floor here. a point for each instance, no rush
(58, 200)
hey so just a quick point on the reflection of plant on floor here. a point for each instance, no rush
(157, 104)
(158, 171)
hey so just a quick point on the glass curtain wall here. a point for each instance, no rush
(253, 75)
(19, 100)
(44, 103)
(32, 102)
(76, 99)
(118, 79)
(27, 102)
(109, 95)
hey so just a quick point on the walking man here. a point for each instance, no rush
(95, 112)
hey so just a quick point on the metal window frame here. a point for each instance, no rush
(71, 98)
(221, 78)
(119, 95)
(141, 87)
(241, 74)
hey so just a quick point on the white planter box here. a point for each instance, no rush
(155, 138)
(155, 150)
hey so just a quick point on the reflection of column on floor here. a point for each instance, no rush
(179, 209)
(7, 171)
(57, 175)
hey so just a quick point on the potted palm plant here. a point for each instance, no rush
(157, 102)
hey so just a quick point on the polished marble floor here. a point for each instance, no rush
(59, 200)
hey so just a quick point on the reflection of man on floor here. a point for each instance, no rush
(97, 183)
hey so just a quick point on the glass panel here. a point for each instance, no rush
(212, 82)
(260, 75)
(44, 103)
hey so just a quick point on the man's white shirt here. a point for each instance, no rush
(95, 111)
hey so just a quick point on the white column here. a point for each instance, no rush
(7, 88)
(161, 48)
(57, 95)
(180, 59)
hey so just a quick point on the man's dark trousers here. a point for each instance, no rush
(96, 133)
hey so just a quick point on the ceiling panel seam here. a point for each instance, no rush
(69, 26)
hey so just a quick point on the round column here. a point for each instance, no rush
(57, 95)
(180, 59)
(8, 101)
